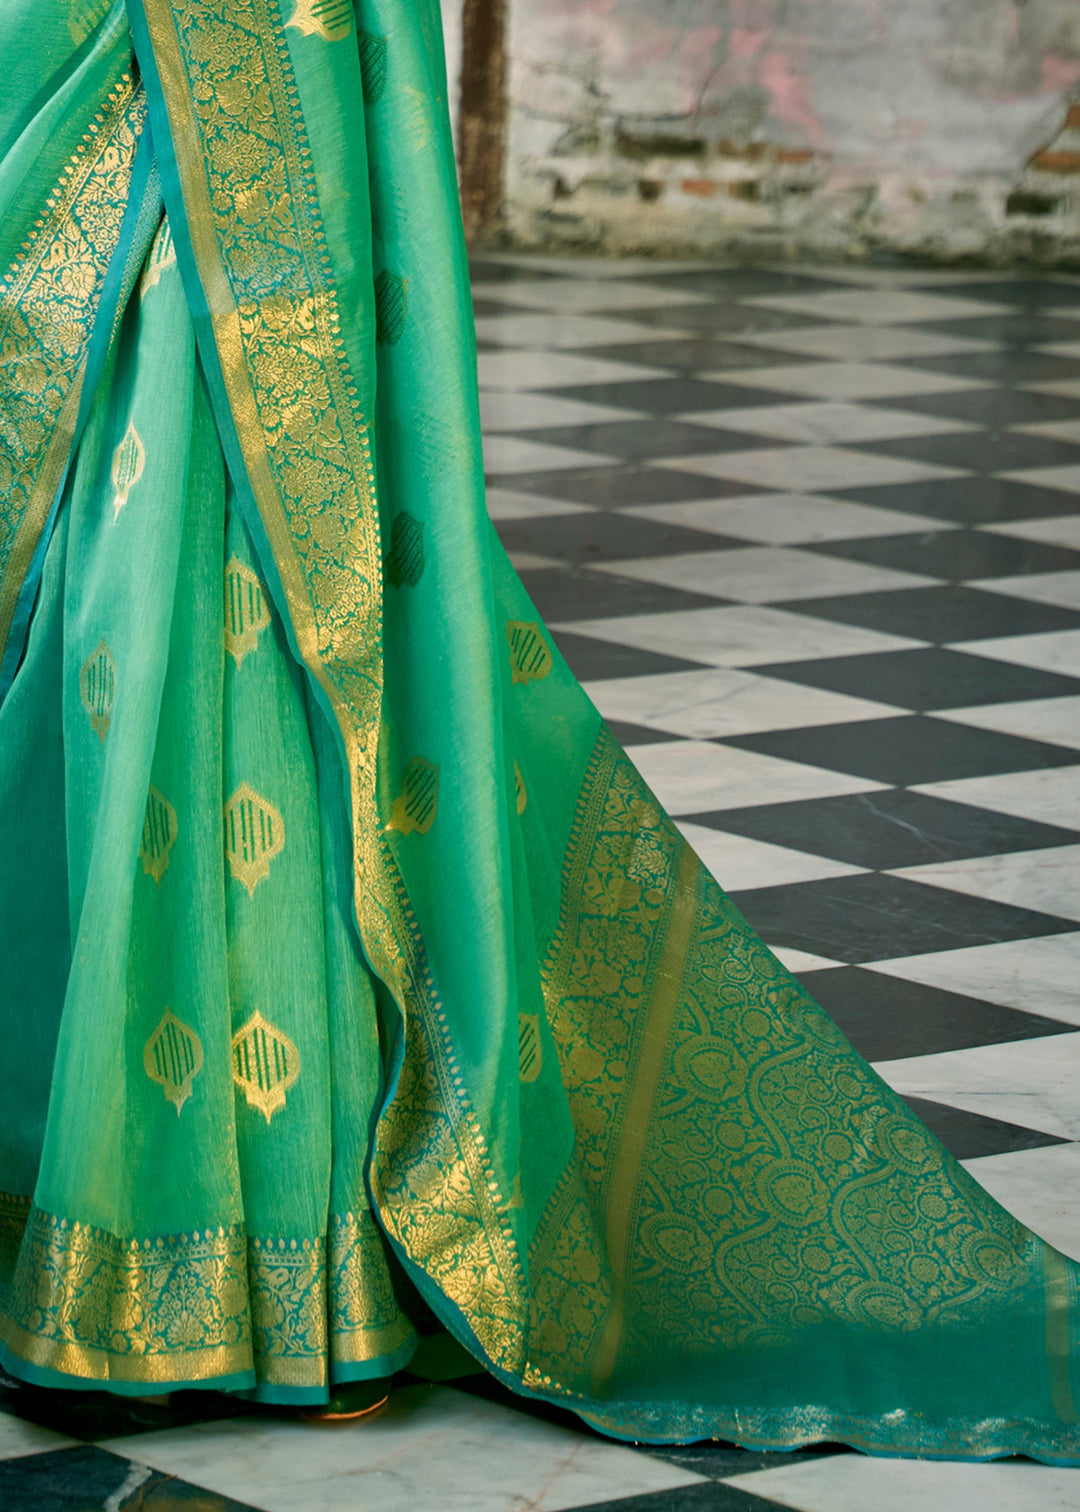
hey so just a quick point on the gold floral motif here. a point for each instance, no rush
(48, 304)
(173, 1058)
(162, 255)
(159, 831)
(254, 835)
(128, 462)
(415, 806)
(97, 687)
(247, 613)
(266, 1064)
(330, 19)
(530, 655)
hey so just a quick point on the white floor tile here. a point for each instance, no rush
(879, 306)
(1040, 1187)
(856, 1483)
(823, 424)
(739, 863)
(848, 380)
(1047, 880)
(766, 574)
(1067, 349)
(1051, 651)
(609, 267)
(513, 454)
(857, 343)
(1051, 796)
(1059, 588)
(1059, 530)
(1055, 720)
(431, 1450)
(509, 504)
(740, 636)
(1031, 1083)
(584, 295)
(525, 561)
(790, 519)
(1066, 477)
(555, 330)
(541, 370)
(514, 411)
(1060, 388)
(18, 1438)
(811, 468)
(694, 777)
(1055, 430)
(1039, 975)
(720, 702)
(802, 962)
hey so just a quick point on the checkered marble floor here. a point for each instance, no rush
(811, 539)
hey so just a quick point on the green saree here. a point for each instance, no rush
(347, 962)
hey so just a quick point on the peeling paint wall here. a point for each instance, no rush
(822, 127)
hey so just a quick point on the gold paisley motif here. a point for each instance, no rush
(97, 688)
(159, 832)
(173, 1058)
(128, 462)
(254, 835)
(266, 1063)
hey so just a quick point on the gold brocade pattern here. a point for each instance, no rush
(739, 1173)
(48, 304)
(194, 1307)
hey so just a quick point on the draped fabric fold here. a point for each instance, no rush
(349, 964)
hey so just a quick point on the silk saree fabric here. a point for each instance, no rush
(350, 971)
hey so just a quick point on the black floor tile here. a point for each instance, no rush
(604, 536)
(617, 487)
(97, 1415)
(720, 318)
(873, 917)
(494, 270)
(706, 1496)
(956, 555)
(86, 1479)
(994, 409)
(665, 396)
(1018, 328)
(886, 1018)
(718, 1461)
(1035, 293)
(632, 735)
(637, 440)
(887, 829)
(1002, 365)
(923, 680)
(968, 1136)
(730, 284)
(968, 501)
(978, 451)
(944, 614)
(908, 750)
(493, 307)
(569, 593)
(590, 659)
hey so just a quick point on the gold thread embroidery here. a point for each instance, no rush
(416, 805)
(97, 686)
(254, 835)
(246, 611)
(173, 1058)
(159, 832)
(128, 462)
(329, 19)
(266, 1064)
(530, 655)
(162, 255)
(530, 1047)
(48, 305)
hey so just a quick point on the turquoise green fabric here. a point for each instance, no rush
(351, 973)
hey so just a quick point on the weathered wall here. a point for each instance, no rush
(823, 127)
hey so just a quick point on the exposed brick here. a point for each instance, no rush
(794, 155)
(748, 152)
(703, 188)
(1049, 161)
(1072, 120)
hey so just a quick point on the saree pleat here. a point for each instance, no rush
(351, 962)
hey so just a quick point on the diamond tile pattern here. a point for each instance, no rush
(812, 540)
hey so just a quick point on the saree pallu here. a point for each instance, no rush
(347, 963)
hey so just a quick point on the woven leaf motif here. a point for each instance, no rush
(173, 1058)
(530, 656)
(530, 1049)
(97, 688)
(391, 308)
(162, 255)
(373, 67)
(329, 19)
(521, 791)
(254, 835)
(128, 462)
(246, 611)
(159, 833)
(414, 808)
(405, 562)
